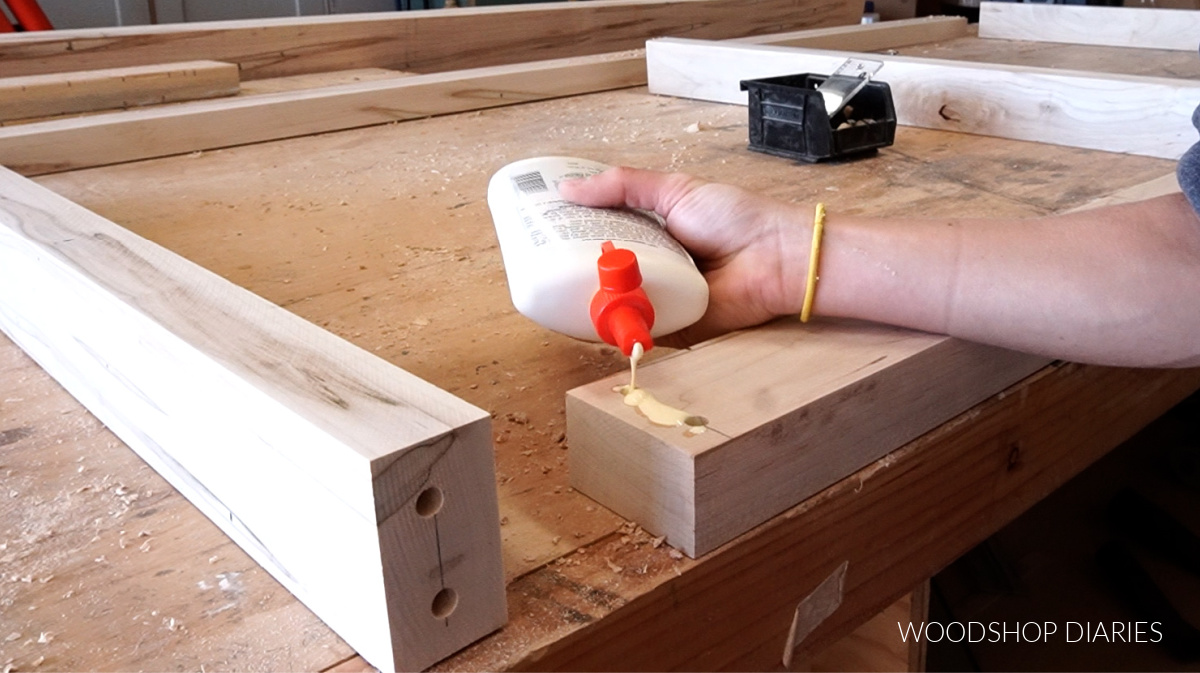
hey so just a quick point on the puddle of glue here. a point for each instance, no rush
(654, 410)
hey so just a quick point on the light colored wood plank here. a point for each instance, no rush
(1089, 58)
(869, 37)
(67, 93)
(94, 526)
(364, 490)
(319, 79)
(791, 410)
(426, 41)
(1150, 116)
(138, 134)
(1146, 28)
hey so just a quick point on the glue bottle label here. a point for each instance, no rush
(547, 217)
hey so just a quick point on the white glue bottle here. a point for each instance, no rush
(599, 274)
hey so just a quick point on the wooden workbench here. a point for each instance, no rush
(382, 236)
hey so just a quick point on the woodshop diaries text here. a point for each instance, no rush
(1032, 632)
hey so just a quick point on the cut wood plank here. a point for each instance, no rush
(427, 41)
(791, 409)
(870, 36)
(364, 490)
(1150, 116)
(1146, 28)
(71, 92)
(139, 134)
(319, 79)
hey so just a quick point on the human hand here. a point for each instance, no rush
(752, 250)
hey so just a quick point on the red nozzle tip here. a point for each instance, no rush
(628, 326)
(621, 311)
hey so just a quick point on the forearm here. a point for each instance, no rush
(1117, 285)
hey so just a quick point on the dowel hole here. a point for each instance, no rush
(430, 501)
(695, 421)
(444, 603)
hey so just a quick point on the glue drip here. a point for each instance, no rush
(655, 411)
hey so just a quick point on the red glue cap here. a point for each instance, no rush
(621, 311)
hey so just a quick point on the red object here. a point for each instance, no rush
(621, 311)
(5, 26)
(29, 15)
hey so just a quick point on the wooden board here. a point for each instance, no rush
(1087, 58)
(66, 93)
(319, 79)
(1139, 27)
(139, 134)
(427, 41)
(365, 491)
(869, 36)
(1077, 109)
(791, 409)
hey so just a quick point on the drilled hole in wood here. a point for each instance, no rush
(695, 421)
(430, 501)
(444, 603)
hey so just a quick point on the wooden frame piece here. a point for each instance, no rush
(367, 492)
(66, 93)
(868, 36)
(47, 147)
(426, 41)
(96, 140)
(1139, 27)
(791, 409)
(1060, 107)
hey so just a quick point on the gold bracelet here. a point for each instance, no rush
(810, 288)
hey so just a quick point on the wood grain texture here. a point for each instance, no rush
(68, 144)
(136, 86)
(310, 453)
(791, 410)
(426, 41)
(870, 36)
(1145, 28)
(1150, 116)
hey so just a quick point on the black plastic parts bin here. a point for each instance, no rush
(788, 119)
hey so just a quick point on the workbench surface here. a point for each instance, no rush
(382, 236)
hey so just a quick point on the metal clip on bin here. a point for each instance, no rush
(812, 117)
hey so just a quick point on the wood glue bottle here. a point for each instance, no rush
(598, 274)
